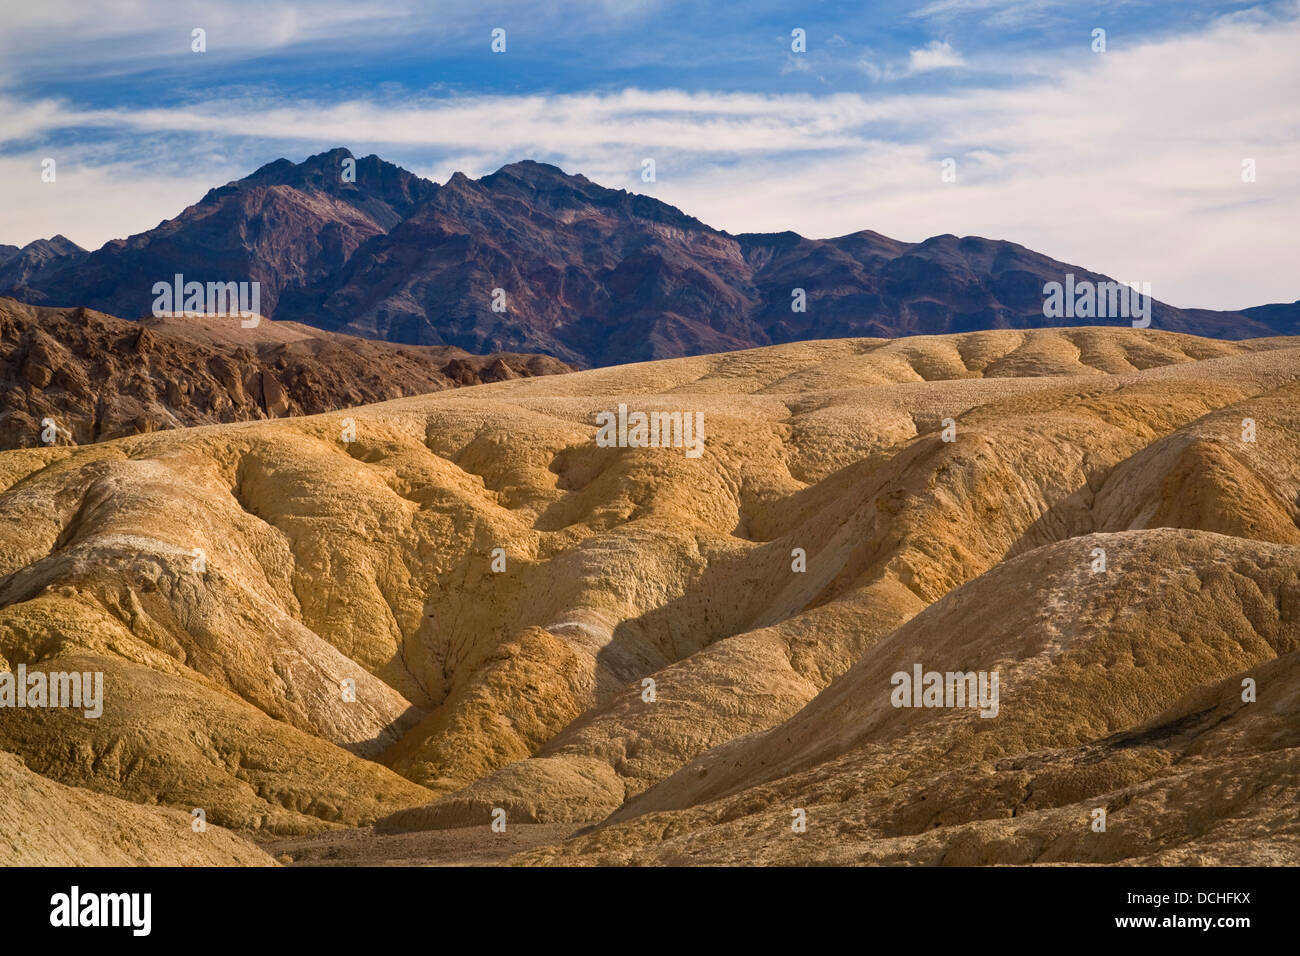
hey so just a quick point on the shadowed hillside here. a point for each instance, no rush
(98, 377)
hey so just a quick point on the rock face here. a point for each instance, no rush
(98, 377)
(531, 259)
(681, 652)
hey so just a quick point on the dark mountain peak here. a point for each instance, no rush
(873, 238)
(966, 245)
(555, 193)
(58, 244)
(276, 170)
(867, 243)
(524, 167)
(331, 157)
(531, 171)
(325, 172)
(373, 183)
(29, 273)
(528, 178)
(64, 245)
(459, 192)
(275, 173)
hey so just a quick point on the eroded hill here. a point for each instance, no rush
(229, 580)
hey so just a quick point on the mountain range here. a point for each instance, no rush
(531, 259)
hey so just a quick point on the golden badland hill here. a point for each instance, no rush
(466, 603)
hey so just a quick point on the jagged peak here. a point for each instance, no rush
(57, 242)
(532, 169)
(320, 170)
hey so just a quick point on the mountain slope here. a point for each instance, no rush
(531, 259)
(26, 272)
(600, 276)
(589, 274)
(285, 223)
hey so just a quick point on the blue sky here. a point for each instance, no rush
(1127, 161)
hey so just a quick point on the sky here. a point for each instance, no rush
(1127, 157)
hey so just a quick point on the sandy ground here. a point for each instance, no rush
(463, 846)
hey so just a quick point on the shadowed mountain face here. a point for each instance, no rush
(23, 272)
(591, 275)
(861, 507)
(286, 223)
(97, 377)
(600, 276)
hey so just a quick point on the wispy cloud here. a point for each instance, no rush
(993, 12)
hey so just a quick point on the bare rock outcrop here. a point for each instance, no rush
(97, 377)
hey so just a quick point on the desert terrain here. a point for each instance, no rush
(366, 646)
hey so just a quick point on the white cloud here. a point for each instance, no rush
(934, 56)
(91, 204)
